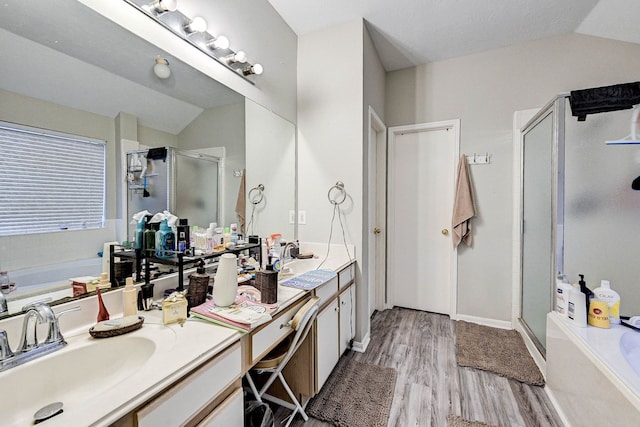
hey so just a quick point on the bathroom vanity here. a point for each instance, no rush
(173, 374)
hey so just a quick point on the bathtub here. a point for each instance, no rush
(52, 280)
(588, 378)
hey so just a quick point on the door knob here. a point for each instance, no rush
(376, 230)
(445, 231)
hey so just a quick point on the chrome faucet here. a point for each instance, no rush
(283, 254)
(30, 348)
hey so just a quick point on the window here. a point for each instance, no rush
(49, 181)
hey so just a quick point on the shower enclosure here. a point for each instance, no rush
(579, 212)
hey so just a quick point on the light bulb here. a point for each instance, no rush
(220, 42)
(162, 6)
(239, 57)
(256, 69)
(161, 68)
(196, 25)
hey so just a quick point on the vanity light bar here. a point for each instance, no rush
(194, 32)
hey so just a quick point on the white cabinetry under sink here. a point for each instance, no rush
(335, 324)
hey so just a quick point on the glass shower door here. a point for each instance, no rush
(539, 220)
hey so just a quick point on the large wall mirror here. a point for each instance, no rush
(66, 68)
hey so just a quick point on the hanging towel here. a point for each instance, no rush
(603, 99)
(241, 201)
(464, 206)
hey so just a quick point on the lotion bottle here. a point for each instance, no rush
(577, 307)
(129, 298)
(563, 289)
(612, 298)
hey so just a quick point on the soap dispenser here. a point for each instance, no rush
(129, 298)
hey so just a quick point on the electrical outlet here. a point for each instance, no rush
(292, 217)
(302, 217)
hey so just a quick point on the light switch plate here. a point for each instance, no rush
(302, 217)
(292, 217)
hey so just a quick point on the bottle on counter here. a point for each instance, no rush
(165, 241)
(612, 298)
(129, 298)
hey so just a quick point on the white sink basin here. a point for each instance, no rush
(630, 347)
(80, 372)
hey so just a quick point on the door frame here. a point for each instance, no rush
(454, 126)
(377, 183)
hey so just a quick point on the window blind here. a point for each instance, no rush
(49, 181)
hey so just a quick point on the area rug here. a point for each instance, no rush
(355, 395)
(500, 351)
(456, 421)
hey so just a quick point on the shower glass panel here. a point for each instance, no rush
(196, 187)
(541, 202)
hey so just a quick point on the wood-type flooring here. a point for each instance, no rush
(430, 384)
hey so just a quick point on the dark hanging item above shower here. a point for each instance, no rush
(157, 153)
(603, 99)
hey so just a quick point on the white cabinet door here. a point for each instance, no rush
(229, 413)
(347, 300)
(327, 344)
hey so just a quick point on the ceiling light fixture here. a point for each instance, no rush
(220, 42)
(194, 31)
(256, 69)
(196, 25)
(162, 6)
(161, 68)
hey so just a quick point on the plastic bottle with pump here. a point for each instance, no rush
(576, 307)
(612, 298)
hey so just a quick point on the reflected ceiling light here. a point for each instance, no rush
(162, 6)
(161, 68)
(220, 42)
(196, 25)
(256, 69)
(239, 57)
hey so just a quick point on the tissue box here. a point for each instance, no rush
(174, 308)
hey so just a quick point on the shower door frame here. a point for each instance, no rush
(555, 108)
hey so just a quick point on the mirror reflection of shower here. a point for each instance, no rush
(255, 197)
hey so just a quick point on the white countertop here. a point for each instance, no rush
(602, 346)
(177, 351)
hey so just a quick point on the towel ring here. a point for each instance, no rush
(339, 189)
(256, 194)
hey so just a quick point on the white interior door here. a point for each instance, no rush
(376, 212)
(421, 258)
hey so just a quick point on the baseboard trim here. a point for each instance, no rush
(533, 350)
(361, 346)
(502, 324)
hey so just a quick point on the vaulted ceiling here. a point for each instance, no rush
(412, 32)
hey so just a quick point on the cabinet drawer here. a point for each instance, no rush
(347, 275)
(265, 338)
(184, 400)
(228, 413)
(327, 291)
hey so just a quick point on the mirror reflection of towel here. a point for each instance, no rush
(464, 207)
(241, 202)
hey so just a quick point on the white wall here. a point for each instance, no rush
(484, 90)
(333, 99)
